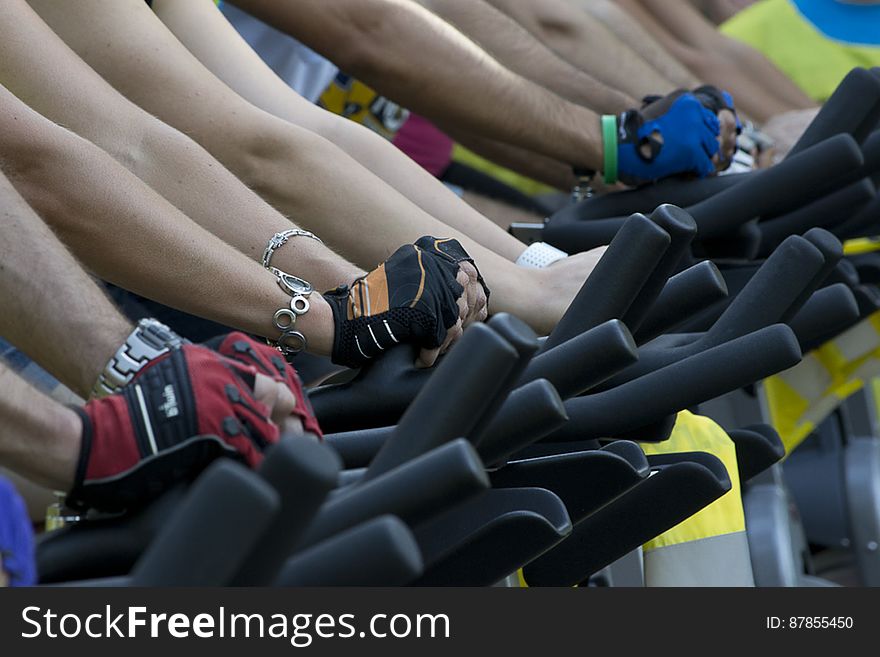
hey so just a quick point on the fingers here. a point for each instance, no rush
(477, 301)
(427, 358)
(467, 298)
(292, 424)
(727, 138)
(278, 398)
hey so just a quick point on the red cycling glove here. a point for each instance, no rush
(182, 411)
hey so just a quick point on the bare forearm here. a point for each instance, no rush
(49, 303)
(41, 438)
(639, 41)
(543, 169)
(773, 80)
(723, 62)
(42, 71)
(219, 202)
(127, 234)
(375, 40)
(511, 38)
(208, 35)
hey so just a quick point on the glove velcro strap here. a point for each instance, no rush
(609, 143)
(149, 477)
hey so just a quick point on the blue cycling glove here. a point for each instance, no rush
(673, 135)
(717, 100)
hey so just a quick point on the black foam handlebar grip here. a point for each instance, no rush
(585, 360)
(453, 400)
(524, 340)
(830, 210)
(678, 191)
(853, 108)
(682, 230)
(303, 472)
(828, 312)
(780, 186)
(355, 404)
(616, 280)
(225, 513)
(776, 288)
(692, 380)
(871, 152)
(532, 412)
(871, 166)
(413, 491)
(862, 224)
(685, 294)
(379, 552)
(580, 236)
(358, 448)
(832, 251)
(767, 298)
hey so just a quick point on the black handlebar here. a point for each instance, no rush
(853, 108)
(303, 472)
(195, 546)
(685, 294)
(617, 279)
(685, 383)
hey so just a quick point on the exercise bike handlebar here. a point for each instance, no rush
(692, 380)
(617, 279)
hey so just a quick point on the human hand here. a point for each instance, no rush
(182, 411)
(426, 294)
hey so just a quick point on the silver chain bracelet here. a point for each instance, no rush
(280, 239)
(291, 341)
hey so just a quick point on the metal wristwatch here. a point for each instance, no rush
(149, 340)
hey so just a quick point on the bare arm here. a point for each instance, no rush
(762, 91)
(206, 33)
(296, 171)
(589, 47)
(40, 438)
(41, 70)
(126, 233)
(544, 169)
(516, 47)
(375, 40)
(39, 279)
(717, 11)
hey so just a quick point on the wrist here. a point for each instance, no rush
(149, 340)
(318, 326)
(109, 333)
(69, 432)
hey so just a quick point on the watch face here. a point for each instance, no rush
(293, 284)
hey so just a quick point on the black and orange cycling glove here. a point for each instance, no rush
(410, 298)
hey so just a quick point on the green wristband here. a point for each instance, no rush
(609, 143)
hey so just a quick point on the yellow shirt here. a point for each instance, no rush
(815, 62)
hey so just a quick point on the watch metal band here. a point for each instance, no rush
(149, 340)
